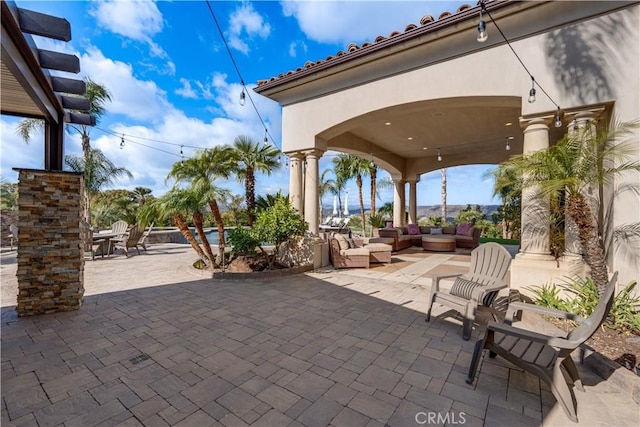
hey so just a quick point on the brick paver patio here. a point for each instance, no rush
(347, 348)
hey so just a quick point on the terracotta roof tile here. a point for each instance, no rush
(426, 21)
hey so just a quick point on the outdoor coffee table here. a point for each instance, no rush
(439, 243)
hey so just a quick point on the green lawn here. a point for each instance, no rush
(501, 241)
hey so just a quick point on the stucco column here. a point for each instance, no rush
(295, 180)
(311, 189)
(398, 202)
(534, 240)
(413, 202)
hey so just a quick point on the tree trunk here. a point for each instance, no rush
(374, 177)
(215, 211)
(443, 195)
(86, 146)
(361, 199)
(182, 226)
(198, 220)
(580, 211)
(250, 188)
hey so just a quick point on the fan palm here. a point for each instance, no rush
(349, 166)
(577, 164)
(252, 158)
(200, 172)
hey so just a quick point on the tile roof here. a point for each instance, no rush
(427, 24)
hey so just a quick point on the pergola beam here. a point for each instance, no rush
(44, 25)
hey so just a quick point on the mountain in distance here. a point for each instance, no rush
(425, 211)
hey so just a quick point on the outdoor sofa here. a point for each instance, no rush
(466, 235)
(354, 253)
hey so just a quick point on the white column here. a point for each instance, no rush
(534, 240)
(398, 202)
(311, 190)
(295, 180)
(413, 202)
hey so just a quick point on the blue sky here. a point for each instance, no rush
(174, 86)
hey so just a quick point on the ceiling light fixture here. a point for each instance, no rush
(508, 145)
(387, 124)
(482, 27)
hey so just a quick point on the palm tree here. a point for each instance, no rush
(443, 194)
(349, 166)
(200, 172)
(98, 95)
(251, 158)
(509, 188)
(373, 173)
(577, 163)
(99, 172)
(326, 186)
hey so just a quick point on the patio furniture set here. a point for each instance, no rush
(120, 236)
(437, 239)
(548, 357)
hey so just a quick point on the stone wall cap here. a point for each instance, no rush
(47, 171)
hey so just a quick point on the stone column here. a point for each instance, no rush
(311, 190)
(413, 202)
(295, 180)
(534, 241)
(50, 251)
(398, 202)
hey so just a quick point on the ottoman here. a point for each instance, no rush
(439, 243)
(379, 252)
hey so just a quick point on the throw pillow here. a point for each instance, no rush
(436, 231)
(471, 230)
(463, 229)
(464, 288)
(342, 242)
(413, 229)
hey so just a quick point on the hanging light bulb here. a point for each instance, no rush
(508, 145)
(122, 142)
(482, 27)
(439, 156)
(558, 120)
(532, 92)
(181, 153)
(242, 97)
(266, 140)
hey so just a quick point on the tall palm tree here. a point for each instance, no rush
(98, 95)
(201, 172)
(579, 162)
(252, 158)
(99, 172)
(326, 186)
(443, 194)
(373, 173)
(508, 186)
(351, 166)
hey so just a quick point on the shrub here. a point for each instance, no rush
(583, 299)
(243, 241)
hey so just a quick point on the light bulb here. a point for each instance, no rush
(482, 32)
(122, 143)
(532, 95)
(507, 146)
(242, 97)
(558, 121)
(439, 156)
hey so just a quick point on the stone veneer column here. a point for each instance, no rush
(50, 256)
(413, 202)
(295, 181)
(534, 240)
(311, 197)
(398, 202)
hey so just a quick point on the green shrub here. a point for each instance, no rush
(583, 298)
(242, 241)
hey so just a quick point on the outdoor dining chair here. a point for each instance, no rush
(129, 241)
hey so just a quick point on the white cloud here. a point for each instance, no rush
(358, 21)
(245, 21)
(294, 46)
(138, 20)
(134, 98)
(186, 90)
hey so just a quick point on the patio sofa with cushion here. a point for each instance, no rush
(353, 253)
(466, 235)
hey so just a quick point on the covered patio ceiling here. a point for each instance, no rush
(466, 130)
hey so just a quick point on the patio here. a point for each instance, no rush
(156, 345)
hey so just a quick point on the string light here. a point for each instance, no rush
(558, 120)
(242, 97)
(482, 27)
(266, 140)
(122, 142)
(508, 145)
(532, 92)
(439, 156)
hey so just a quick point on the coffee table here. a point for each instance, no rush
(439, 243)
